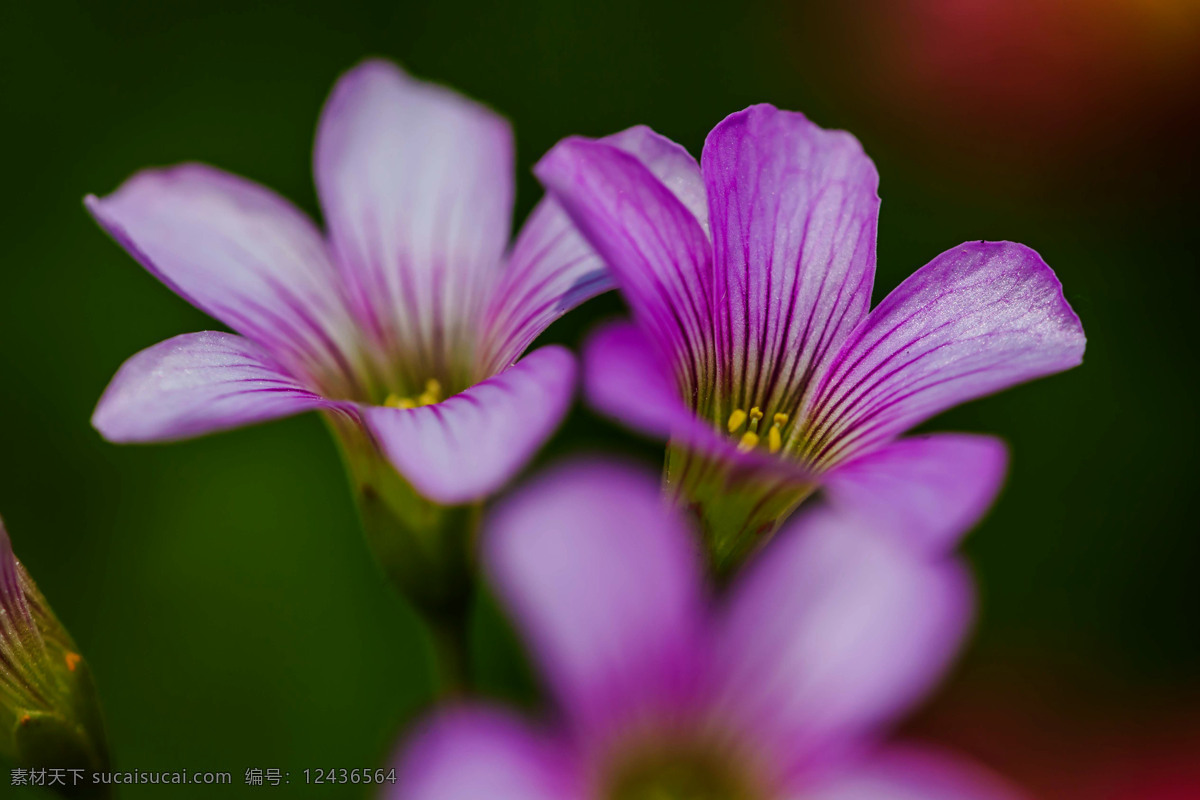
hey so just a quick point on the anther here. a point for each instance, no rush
(396, 401)
(781, 419)
(736, 419)
(774, 439)
(749, 441)
(431, 395)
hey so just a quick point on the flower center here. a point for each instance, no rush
(752, 437)
(431, 395)
(680, 776)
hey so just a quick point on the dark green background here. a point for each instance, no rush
(220, 588)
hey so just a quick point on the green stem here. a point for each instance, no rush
(452, 655)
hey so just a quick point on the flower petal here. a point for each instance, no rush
(979, 318)
(240, 253)
(656, 248)
(625, 377)
(794, 212)
(833, 631)
(469, 445)
(603, 580)
(552, 268)
(468, 754)
(416, 183)
(929, 489)
(198, 383)
(912, 773)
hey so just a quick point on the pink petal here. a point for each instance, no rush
(470, 754)
(471, 444)
(657, 250)
(832, 632)
(198, 383)
(240, 253)
(929, 489)
(911, 773)
(603, 580)
(794, 212)
(552, 268)
(979, 318)
(416, 183)
(625, 378)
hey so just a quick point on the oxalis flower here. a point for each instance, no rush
(753, 349)
(778, 690)
(49, 712)
(404, 322)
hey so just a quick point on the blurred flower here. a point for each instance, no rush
(749, 278)
(779, 690)
(49, 712)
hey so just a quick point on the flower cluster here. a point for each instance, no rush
(689, 651)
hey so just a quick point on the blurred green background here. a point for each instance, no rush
(221, 589)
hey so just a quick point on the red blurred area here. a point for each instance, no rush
(1035, 84)
(1063, 735)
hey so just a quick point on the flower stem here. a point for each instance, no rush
(451, 639)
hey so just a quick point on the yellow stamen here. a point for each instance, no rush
(432, 393)
(73, 660)
(781, 419)
(755, 415)
(396, 401)
(736, 419)
(774, 439)
(749, 441)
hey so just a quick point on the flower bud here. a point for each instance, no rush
(49, 711)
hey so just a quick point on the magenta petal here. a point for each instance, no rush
(470, 754)
(198, 383)
(416, 183)
(239, 252)
(551, 270)
(832, 632)
(471, 444)
(603, 580)
(625, 378)
(794, 215)
(912, 773)
(671, 163)
(928, 489)
(979, 318)
(657, 250)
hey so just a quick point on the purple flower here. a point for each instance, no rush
(754, 349)
(779, 689)
(404, 320)
(49, 711)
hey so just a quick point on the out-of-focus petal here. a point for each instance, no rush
(929, 490)
(832, 632)
(552, 268)
(603, 580)
(198, 383)
(469, 445)
(240, 253)
(794, 215)
(416, 183)
(912, 773)
(979, 318)
(657, 250)
(470, 754)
